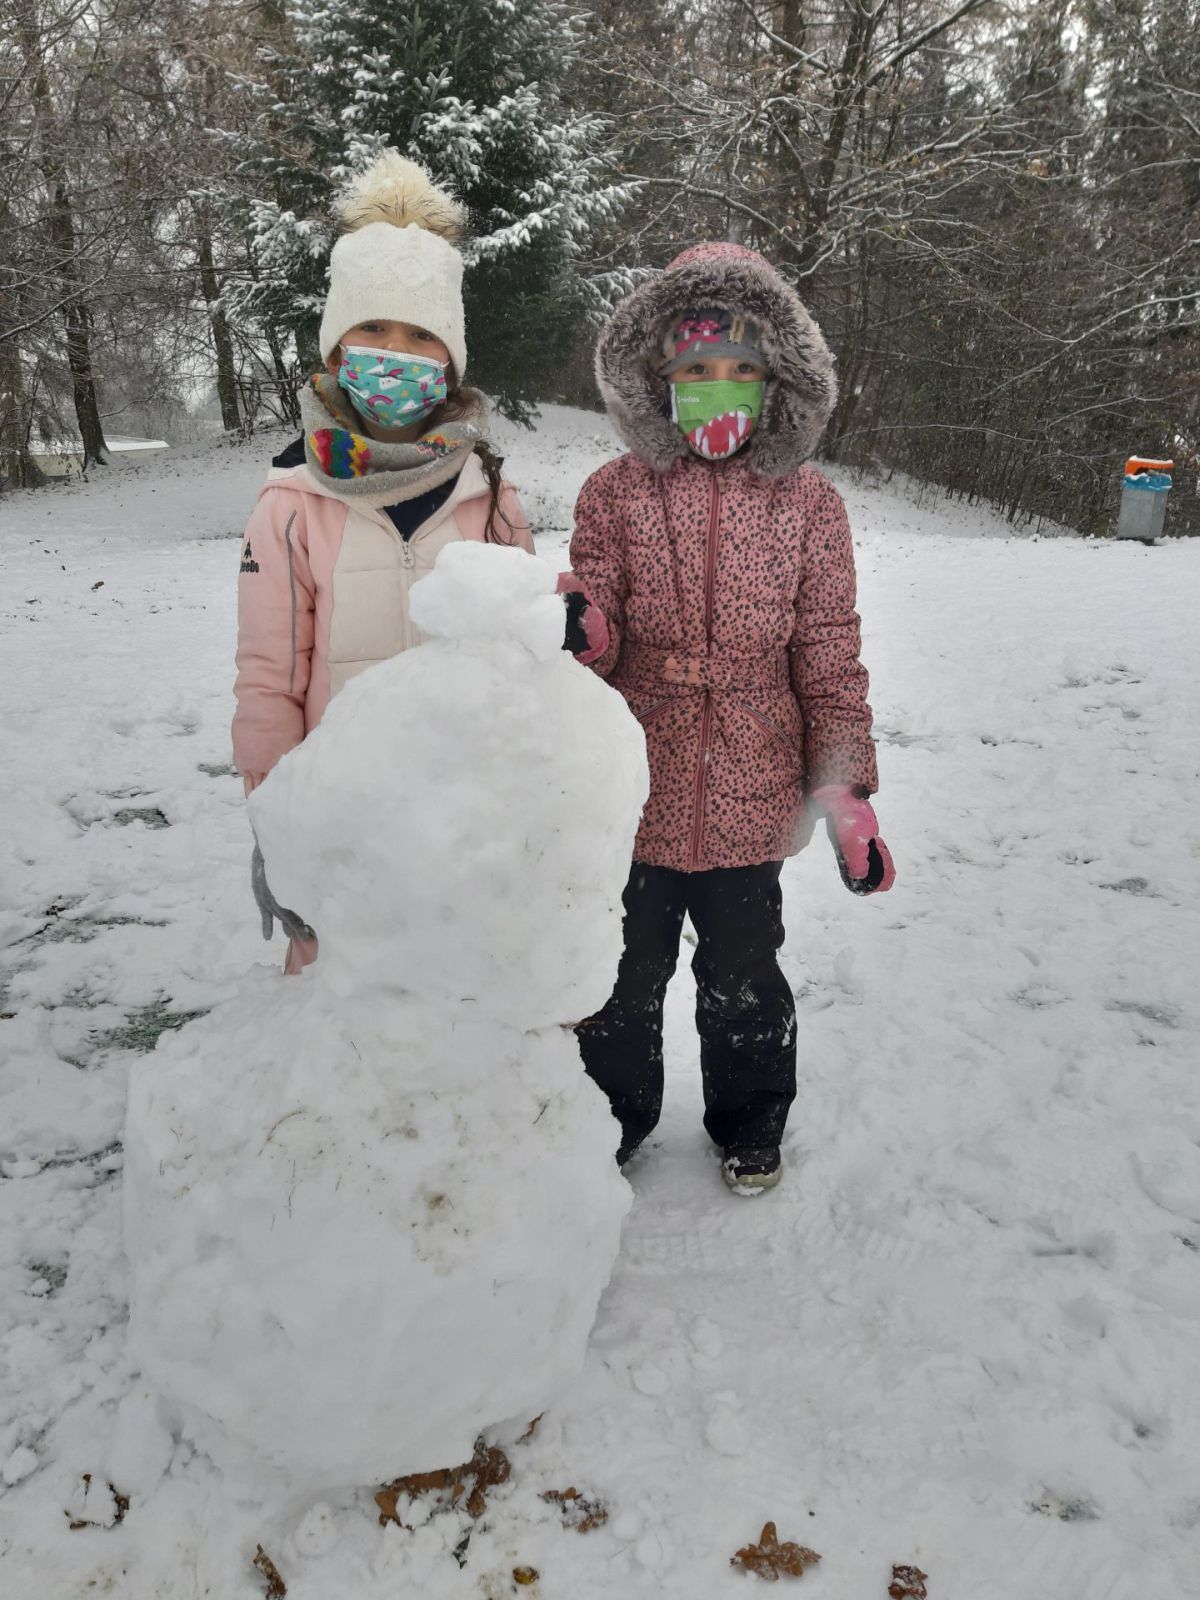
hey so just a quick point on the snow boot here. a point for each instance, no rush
(751, 1169)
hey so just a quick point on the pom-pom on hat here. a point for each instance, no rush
(396, 259)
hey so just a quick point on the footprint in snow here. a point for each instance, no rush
(47, 1278)
(654, 1551)
(1039, 997)
(150, 816)
(1167, 1016)
(725, 1431)
(1137, 1428)
(1100, 1247)
(627, 1525)
(1167, 1170)
(1082, 678)
(1066, 1507)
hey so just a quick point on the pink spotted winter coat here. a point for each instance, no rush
(729, 587)
(323, 594)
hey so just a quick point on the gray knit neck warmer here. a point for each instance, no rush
(358, 468)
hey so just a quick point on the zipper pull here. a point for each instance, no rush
(407, 558)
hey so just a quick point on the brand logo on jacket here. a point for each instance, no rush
(248, 562)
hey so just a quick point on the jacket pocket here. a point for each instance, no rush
(654, 711)
(645, 707)
(772, 729)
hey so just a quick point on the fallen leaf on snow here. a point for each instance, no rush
(908, 1583)
(525, 1575)
(488, 1467)
(579, 1511)
(276, 1588)
(771, 1560)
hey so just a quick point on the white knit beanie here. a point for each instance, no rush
(395, 259)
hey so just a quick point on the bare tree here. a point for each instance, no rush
(53, 128)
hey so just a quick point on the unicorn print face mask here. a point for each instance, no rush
(390, 388)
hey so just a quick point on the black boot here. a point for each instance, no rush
(750, 1170)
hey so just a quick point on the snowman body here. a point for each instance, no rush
(370, 1211)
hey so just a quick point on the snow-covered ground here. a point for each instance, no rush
(962, 1334)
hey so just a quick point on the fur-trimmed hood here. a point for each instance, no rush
(801, 389)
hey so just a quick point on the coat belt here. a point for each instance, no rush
(647, 664)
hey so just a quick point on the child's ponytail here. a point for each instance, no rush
(492, 468)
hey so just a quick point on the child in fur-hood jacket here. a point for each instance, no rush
(723, 565)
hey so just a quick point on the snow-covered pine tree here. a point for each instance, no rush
(471, 91)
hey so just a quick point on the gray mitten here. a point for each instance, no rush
(269, 908)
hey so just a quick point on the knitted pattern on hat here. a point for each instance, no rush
(708, 333)
(396, 259)
(367, 471)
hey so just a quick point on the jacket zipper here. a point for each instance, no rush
(291, 555)
(710, 578)
(408, 564)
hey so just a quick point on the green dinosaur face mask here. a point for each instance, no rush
(716, 419)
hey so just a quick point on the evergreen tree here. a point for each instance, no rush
(468, 90)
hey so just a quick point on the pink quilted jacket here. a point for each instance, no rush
(733, 636)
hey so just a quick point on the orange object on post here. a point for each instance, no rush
(1145, 464)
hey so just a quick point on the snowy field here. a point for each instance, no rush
(963, 1334)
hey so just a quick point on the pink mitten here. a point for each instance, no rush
(863, 858)
(587, 626)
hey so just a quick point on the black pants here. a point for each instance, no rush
(745, 1013)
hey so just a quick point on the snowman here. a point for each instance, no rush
(370, 1210)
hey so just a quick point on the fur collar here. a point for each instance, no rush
(800, 392)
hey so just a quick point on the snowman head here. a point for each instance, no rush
(482, 593)
(460, 825)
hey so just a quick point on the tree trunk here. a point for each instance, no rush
(210, 287)
(847, 88)
(79, 351)
(289, 406)
(17, 466)
(76, 316)
(308, 345)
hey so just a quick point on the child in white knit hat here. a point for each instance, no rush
(392, 467)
